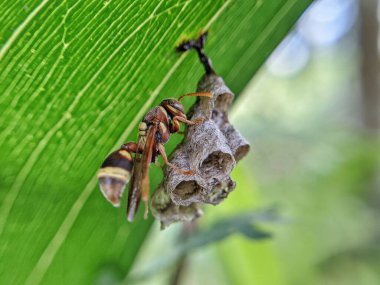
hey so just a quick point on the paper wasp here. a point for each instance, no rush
(154, 131)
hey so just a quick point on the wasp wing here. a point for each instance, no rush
(139, 185)
(134, 193)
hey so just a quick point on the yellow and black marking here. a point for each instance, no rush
(142, 129)
(114, 174)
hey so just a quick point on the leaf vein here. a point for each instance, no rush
(257, 43)
(4, 49)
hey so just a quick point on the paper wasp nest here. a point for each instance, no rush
(210, 150)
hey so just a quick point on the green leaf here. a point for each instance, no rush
(76, 77)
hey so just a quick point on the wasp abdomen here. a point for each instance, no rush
(114, 174)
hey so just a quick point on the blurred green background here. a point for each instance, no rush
(312, 116)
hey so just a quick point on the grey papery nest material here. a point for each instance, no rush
(210, 149)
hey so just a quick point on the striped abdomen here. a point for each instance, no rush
(114, 174)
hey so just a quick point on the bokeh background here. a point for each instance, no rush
(312, 116)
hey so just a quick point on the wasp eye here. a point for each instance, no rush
(177, 105)
(173, 107)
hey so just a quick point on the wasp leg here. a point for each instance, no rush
(186, 121)
(161, 149)
(146, 211)
(198, 45)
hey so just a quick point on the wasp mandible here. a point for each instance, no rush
(154, 131)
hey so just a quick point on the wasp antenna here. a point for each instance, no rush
(198, 45)
(196, 94)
